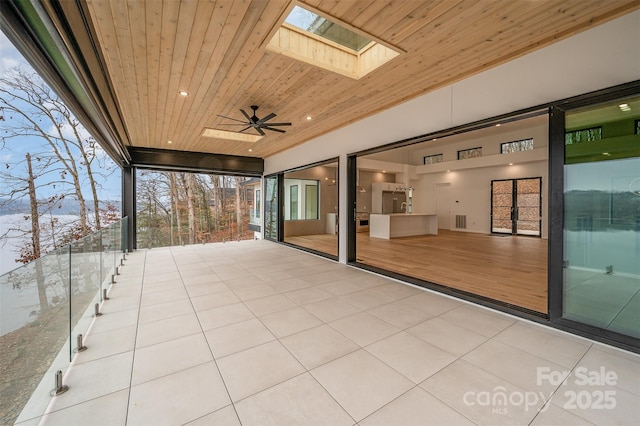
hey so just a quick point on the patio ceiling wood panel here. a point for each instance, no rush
(215, 51)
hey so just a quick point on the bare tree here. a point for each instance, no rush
(189, 184)
(35, 235)
(35, 111)
(175, 202)
(217, 201)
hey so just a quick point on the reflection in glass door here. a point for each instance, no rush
(516, 206)
(271, 207)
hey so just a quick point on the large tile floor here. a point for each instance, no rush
(259, 333)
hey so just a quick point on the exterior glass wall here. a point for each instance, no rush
(601, 282)
(179, 208)
(440, 222)
(271, 207)
(311, 208)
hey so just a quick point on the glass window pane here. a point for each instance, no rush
(602, 221)
(271, 208)
(293, 202)
(433, 159)
(258, 199)
(470, 153)
(315, 24)
(311, 201)
(516, 146)
(316, 195)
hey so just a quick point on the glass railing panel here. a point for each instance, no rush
(34, 334)
(124, 227)
(107, 258)
(85, 283)
(116, 249)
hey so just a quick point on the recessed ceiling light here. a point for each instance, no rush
(169, 142)
(498, 125)
(448, 171)
(308, 117)
(384, 171)
(183, 93)
(511, 164)
(606, 153)
(624, 107)
(250, 150)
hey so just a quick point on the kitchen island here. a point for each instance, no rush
(402, 225)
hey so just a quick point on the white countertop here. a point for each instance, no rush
(403, 214)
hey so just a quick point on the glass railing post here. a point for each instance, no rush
(102, 272)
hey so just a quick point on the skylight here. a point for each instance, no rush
(234, 136)
(316, 24)
(307, 36)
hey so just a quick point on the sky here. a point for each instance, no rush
(14, 148)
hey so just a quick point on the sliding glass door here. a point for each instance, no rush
(601, 271)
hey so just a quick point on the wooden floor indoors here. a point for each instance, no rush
(511, 269)
(326, 243)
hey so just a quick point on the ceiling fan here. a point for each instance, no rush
(254, 122)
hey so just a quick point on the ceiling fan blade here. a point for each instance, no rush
(230, 118)
(273, 130)
(233, 124)
(246, 128)
(278, 124)
(260, 131)
(268, 117)
(245, 114)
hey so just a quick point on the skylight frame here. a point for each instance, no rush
(341, 59)
(209, 132)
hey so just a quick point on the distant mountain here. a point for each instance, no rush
(66, 206)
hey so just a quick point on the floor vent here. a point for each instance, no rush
(461, 221)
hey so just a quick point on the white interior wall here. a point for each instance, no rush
(536, 128)
(471, 192)
(608, 55)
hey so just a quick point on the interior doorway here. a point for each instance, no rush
(516, 206)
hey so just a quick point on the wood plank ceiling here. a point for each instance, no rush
(215, 50)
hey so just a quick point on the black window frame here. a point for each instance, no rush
(503, 144)
(441, 156)
(577, 131)
(470, 150)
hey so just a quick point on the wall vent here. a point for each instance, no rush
(461, 221)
